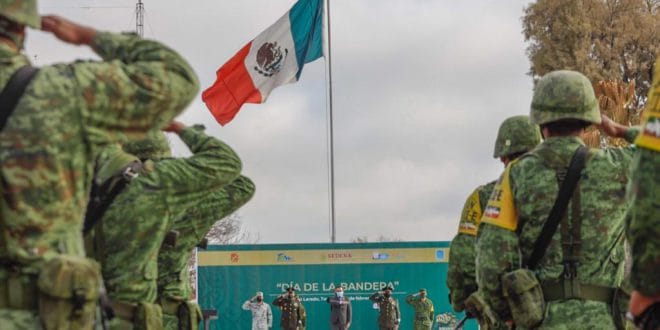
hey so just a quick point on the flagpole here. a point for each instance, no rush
(328, 61)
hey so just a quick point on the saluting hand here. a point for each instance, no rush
(174, 127)
(67, 30)
(611, 128)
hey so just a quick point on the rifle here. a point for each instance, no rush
(460, 324)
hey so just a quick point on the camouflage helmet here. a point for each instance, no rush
(516, 134)
(21, 11)
(564, 95)
(154, 146)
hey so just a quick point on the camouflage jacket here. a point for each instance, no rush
(424, 311)
(66, 114)
(534, 183)
(643, 222)
(130, 233)
(461, 279)
(192, 227)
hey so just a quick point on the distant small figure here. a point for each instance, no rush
(293, 312)
(340, 310)
(262, 315)
(423, 310)
(389, 317)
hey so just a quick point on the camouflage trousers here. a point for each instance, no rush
(577, 314)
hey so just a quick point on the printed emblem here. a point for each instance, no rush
(281, 257)
(270, 59)
(234, 257)
(652, 127)
(492, 211)
(446, 320)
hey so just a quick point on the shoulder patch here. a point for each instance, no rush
(500, 210)
(649, 137)
(471, 215)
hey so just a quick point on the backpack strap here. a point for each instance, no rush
(14, 90)
(559, 208)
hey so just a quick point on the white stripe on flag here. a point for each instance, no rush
(278, 58)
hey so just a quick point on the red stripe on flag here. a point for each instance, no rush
(232, 88)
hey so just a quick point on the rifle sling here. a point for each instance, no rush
(559, 208)
(102, 196)
(13, 91)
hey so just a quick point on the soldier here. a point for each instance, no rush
(127, 236)
(340, 310)
(423, 310)
(643, 222)
(48, 145)
(516, 135)
(262, 316)
(293, 316)
(533, 275)
(389, 316)
(174, 291)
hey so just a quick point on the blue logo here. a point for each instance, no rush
(380, 256)
(440, 254)
(281, 257)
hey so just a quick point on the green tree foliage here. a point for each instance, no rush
(607, 40)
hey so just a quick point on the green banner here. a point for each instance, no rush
(228, 275)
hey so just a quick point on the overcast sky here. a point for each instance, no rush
(420, 87)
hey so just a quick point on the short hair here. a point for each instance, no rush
(566, 126)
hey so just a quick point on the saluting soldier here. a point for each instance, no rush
(643, 222)
(262, 316)
(293, 312)
(515, 136)
(423, 310)
(572, 266)
(389, 317)
(65, 114)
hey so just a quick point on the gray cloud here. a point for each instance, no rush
(420, 88)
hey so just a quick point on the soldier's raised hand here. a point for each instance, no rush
(174, 127)
(67, 30)
(611, 128)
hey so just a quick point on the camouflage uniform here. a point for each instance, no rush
(48, 146)
(129, 235)
(293, 315)
(595, 213)
(262, 316)
(173, 281)
(515, 135)
(643, 222)
(461, 279)
(424, 312)
(389, 316)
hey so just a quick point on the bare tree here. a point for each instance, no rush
(229, 230)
